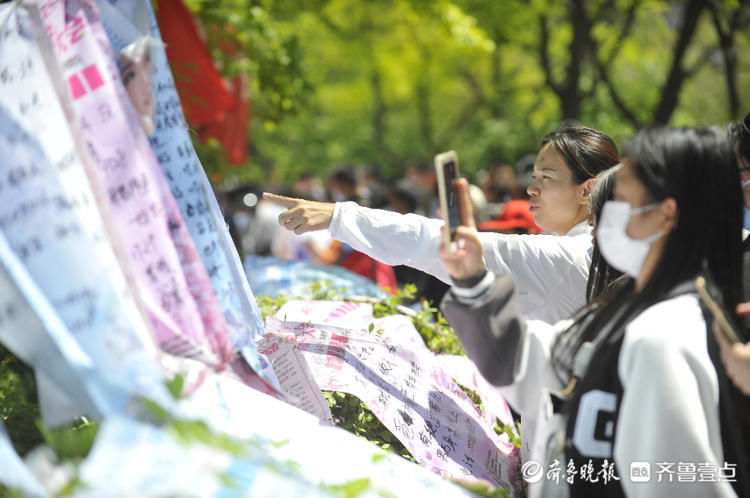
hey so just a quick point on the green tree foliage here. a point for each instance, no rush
(387, 82)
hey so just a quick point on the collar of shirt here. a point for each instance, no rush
(582, 228)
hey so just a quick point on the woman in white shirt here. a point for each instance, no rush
(628, 388)
(550, 271)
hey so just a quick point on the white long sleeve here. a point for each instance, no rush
(390, 237)
(670, 406)
(550, 271)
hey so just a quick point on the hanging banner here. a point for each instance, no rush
(53, 233)
(154, 462)
(31, 329)
(416, 400)
(169, 275)
(299, 437)
(465, 372)
(125, 21)
(294, 375)
(398, 330)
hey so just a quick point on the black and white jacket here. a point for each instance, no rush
(650, 398)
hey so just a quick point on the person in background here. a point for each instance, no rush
(403, 197)
(736, 356)
(497, 185)
(630, 378)
(309, 186)
(514, 218)
(551, 271)
(422, 174)
(342, 185)
(372, 188)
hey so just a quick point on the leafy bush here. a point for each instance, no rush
(19, 407)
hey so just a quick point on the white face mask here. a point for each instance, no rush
(618, 248)
(744, 184)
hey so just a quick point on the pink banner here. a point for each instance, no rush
(171, 279)
(293, 373)
(409, 393)
(465, 372)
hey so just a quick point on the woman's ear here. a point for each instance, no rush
(670, 213)
(586, 188)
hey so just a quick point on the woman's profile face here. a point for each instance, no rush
(557, 203)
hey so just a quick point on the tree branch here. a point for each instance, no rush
(670, 92)
(616, 99)
(604, 67)
(468, 112)
(379, 117)
(729, 54)
(605, 6)
(702, 60)
(625, 30)
(544, 53)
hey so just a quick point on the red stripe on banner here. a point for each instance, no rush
(76, 87)
(93, 78)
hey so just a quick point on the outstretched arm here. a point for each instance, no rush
(391, 238)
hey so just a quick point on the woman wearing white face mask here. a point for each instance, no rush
(632, 383)
(551, 271)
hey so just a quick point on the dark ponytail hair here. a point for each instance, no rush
(697, 168)
(587, 152)
(601, 274)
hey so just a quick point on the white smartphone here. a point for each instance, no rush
(705, 290)
(446, 166)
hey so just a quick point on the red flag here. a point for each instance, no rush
(202, 90)
(231, 131)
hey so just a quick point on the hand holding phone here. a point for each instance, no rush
(446, 167)
(463, 257)
(711, 297)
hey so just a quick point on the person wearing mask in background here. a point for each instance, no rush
(551, 271)
(342, 185)
(630, 379)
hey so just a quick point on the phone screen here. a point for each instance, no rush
(446, 168)
(449, 169)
